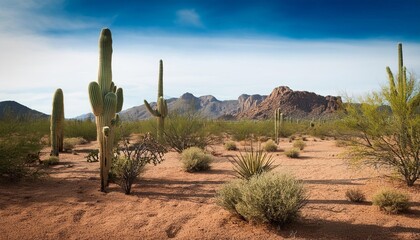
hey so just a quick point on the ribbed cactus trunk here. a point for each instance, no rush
(278, 121)
(106, 100)
(161, 110)
(57, 123)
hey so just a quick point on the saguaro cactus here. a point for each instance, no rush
(106, 101)
(57, 123)
(161, 110)
(278, 120)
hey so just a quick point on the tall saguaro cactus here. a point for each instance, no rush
(278, 120)
(161, 110)
(106, 101)
(57, 123)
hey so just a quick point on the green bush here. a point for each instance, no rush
(76, 128)
(52, 160)
(194, 159)
(252, 162)
(266, 198)
(19, 141)
(230, 146)
(292, 153)
(391, 201)
(270, 146)
(185, 131)
(299, 144)
(130, 159)
(355, 195)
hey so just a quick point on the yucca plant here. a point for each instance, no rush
(252, 162)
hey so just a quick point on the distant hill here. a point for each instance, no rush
(17, 110)
(296, 104)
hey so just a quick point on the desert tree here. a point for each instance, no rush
(387, 125)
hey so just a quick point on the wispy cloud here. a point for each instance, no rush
(188, 18)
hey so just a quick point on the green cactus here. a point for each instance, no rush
(106, 101)
(161, 110)
(278, 121)
(57, 123)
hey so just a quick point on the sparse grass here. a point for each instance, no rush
(355, 195)
(299, 144)
(194, 160)
(270, 146)
(76, 128)
(292, 153)
(230, 146)
(252, 162)
(391, 201)
(267, 198)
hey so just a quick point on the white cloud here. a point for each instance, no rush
(188, 18)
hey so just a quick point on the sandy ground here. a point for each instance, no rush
(169, 203)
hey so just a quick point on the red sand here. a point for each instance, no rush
(169, 203)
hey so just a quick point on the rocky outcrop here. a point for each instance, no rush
(296, 104)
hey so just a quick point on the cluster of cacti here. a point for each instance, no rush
(278, 120)
(161, 110)
(57, 123)
(106, 101)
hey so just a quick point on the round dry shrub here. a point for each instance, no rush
(70, 143)
(267, 198)
(299, 144)
(230, 146)
(292, 153)
(391, 201)
(194, 159)
(52, 160)
(270, 146)
(355, 195)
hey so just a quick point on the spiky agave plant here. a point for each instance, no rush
(106, 101)
(252, 162)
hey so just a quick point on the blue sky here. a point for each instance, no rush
(223, 48)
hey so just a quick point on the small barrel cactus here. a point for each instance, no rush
(57, 123)
(106, 101)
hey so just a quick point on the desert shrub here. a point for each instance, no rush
(70, 143)
(230, 146)
(252, 162)
(391, 201)
(130, 160)
(194, 159)
(388, 125)
(185, 131)
(76, 128)
(52, 160)
(355, 195)
(93, 156)
(20, 139)
(270, 146)
(266, 198)
(299, 144)
(292, 153)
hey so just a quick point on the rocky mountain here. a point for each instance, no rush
(207, 106)
(16, 110)
(296, 104)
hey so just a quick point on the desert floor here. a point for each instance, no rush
(169, 203)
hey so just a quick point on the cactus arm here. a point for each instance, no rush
(95, 96)
(120, 99)
(164, 109)
(151, 110)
